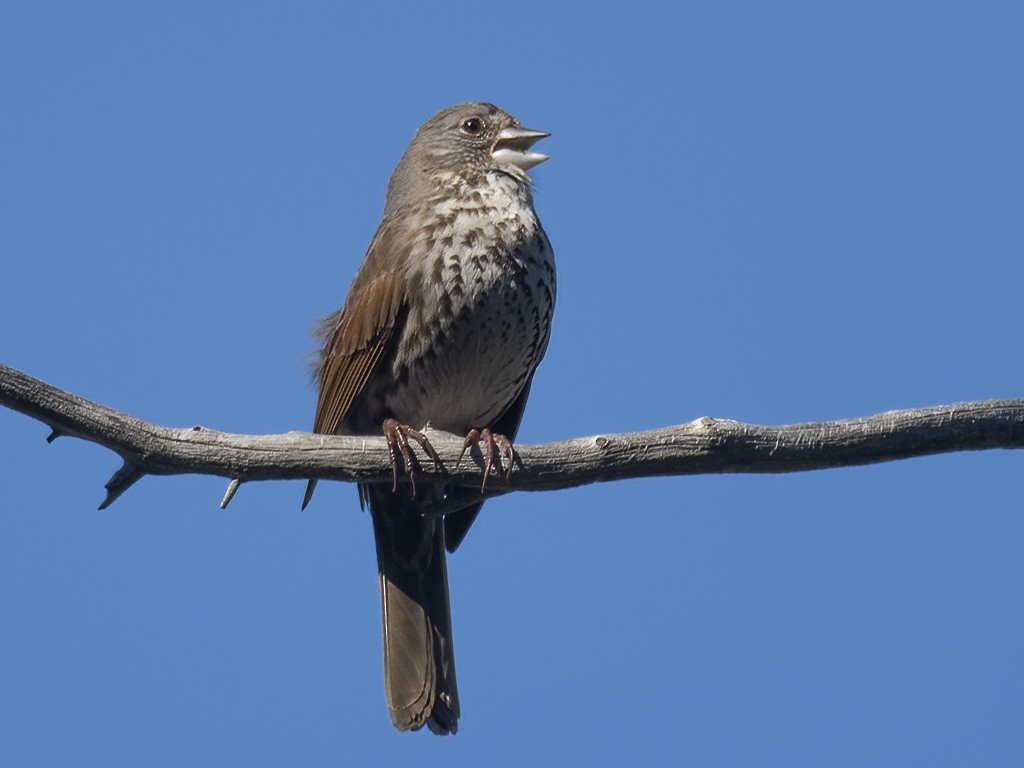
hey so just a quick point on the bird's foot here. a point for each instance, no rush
(495, 445)
(398, 436)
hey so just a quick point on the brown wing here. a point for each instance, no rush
(356, 337)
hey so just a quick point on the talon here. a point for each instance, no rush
(472, 437)
(397, 436)
(508, 453)
(393, 454)
(488, 439)
(494, 444)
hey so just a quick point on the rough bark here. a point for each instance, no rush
(703, 446)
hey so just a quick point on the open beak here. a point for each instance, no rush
(513, 147)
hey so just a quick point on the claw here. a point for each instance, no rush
(508, 453)
(495, 444)
(471, 438)
(397, 436)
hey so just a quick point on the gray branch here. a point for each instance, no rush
(703, 446)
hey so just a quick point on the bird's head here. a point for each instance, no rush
(475, 137)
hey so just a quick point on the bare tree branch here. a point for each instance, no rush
(703, 446)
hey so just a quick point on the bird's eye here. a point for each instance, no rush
(472, 125)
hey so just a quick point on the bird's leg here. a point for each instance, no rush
(397, 435)
(496, 444)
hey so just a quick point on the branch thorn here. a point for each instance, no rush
(230, 493)
(121, 481)
(311, 486)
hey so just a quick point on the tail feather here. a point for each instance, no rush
(419, 663)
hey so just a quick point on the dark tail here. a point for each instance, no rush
(419, 664)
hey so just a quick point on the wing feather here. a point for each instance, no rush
(357, 336)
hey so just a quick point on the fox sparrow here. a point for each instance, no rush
(444, 324)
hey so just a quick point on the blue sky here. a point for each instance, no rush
(766, 212)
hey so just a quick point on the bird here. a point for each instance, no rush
(444, 325)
